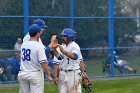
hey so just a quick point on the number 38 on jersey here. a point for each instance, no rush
(26, 54)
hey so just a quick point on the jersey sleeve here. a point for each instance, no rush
(55, 59)
(41, 54)
(80, 57)
(47, 49)
(76, 50)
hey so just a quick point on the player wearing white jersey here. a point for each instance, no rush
(42, 24)
(67, 60)
(33, 62)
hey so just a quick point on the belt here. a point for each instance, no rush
(68, 70)
(32, 71)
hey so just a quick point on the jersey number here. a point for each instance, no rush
(26, 54)
(68, 60)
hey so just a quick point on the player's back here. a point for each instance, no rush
(30, 57)
(27, 38)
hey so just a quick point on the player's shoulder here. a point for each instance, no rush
(38, 44)
(27, 35)
(26, 38)
(74, 44)
(33, 43)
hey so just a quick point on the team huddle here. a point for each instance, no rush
(68, 62)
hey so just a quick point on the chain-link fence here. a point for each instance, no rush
(102, 26)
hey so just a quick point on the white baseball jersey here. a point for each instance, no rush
(32, 54)
(31, 76)
(71, 79)
(68, 63)
(27, 38)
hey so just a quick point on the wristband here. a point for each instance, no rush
(84, 70)
(86, 78)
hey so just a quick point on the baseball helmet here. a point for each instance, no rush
(40, 22)
(69, 33)
(34, 28)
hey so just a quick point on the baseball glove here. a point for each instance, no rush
(86, 84)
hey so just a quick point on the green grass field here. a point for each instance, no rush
(94, 66)
(129, 85)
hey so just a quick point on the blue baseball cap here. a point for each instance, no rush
(40, 22)
(34, 28)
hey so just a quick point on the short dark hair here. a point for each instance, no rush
(32, 34)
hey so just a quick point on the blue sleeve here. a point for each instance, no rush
(47, 49)
(75, 56)
(60, 57)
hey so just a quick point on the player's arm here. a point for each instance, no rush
(47, 49)
(56, 54)
(56, 67)
(85, 80)
(45, 67)
(68, 54)
(53, 40)
(82, 67)
(43, 61)
(55, 50)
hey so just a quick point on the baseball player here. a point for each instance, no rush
(67, 60)
(33, 62)
(42, 24)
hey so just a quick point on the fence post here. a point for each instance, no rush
(71, 14)
(26, 19)
(111, 32)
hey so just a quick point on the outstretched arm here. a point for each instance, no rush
(53, 41)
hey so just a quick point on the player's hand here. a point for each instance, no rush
(85, 74)
(55, 45)
(54, 41)
(50, 79)
(54, 37)
(61, 48)
(55, 80)
(85, 79)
